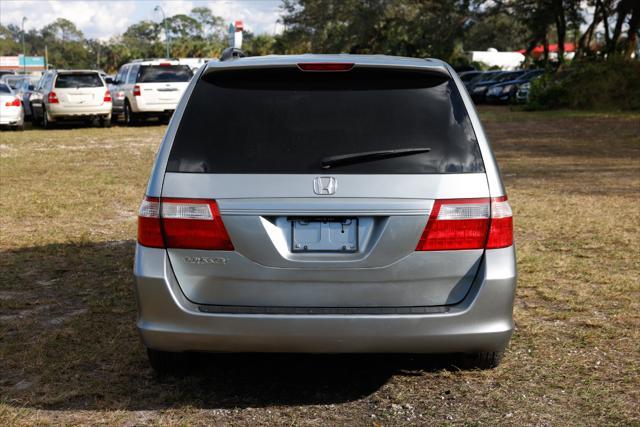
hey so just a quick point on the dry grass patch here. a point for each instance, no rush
(69, 352)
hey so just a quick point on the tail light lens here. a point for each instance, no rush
(14, 103)
(468, 224)
(182, 224)
(52, 98)
(501, 230)
(136, 90)
(107, 97)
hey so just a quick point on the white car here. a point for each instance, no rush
(71, 95)
(11, 111)
(149, 88)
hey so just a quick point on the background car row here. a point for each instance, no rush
(499, 86)
(141, 89)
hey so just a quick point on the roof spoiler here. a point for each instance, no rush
(231, 53)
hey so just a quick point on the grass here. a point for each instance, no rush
(70, 354)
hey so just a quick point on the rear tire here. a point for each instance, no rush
(165, 362)
(104, 123)
(482, 360)
(130, 117)
(45, 120)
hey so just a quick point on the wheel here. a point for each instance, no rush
(19, 128)
(104, 122)
(165, 362)
(482, 360)
(45, 119)
(130, 118)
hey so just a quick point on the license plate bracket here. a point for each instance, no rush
(324, 234)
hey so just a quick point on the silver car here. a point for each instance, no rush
(325, 204)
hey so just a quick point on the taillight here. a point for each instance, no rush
(325, 66)
(107, 97)
(52, 98)
(501, 230)
(136, 90)
(182, 224)
(149, 228)
(468, 224)
(14, 103)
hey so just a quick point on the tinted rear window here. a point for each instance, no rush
(164, 74)
(65, 81)
(286, 121)
(4, 88)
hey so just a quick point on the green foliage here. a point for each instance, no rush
(418, 28)
(589, 85)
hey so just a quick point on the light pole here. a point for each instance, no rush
(24, 49)
(166, 29)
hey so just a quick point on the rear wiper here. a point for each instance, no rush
(367, 156)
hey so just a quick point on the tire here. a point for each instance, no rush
(19, 128)
(165, 362)
(483, 360)
(104, 122)
(45, 119)
(130, 118)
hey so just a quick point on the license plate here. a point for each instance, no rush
(324, 234)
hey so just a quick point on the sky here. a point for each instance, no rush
(102, 19)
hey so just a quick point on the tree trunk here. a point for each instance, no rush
(561, 30)
(632, 33)
(584, 42)
(623, 9)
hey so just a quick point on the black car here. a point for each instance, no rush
(479, 90)
(506, 91)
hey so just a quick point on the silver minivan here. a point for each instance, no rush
(325, 204)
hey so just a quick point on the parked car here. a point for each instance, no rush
(325, 204)
(27, 86)
(22, 85)
(71, 95)
(479, 89)
(11, 111)
(481, 76)
(522, 95)
(149, 88)
(467, 76)
(506, 91)
(6, 72)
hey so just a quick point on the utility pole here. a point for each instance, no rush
(166, 29)
(24, 49)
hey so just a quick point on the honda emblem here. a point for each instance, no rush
(325, 185)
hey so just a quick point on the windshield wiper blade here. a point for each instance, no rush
(367, 156)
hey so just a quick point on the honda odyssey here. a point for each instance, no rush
(325, 204)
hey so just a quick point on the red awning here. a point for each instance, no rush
(553, 47)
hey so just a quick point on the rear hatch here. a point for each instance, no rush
(325, 182)
(164, 83)
(81, 89)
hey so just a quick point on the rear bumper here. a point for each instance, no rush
(59, 111)
(12, 118)
(153, 109)
(481, 322)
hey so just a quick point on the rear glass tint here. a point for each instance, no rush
(66, 81)
(164, 74)
(4, 88)
(287, 120)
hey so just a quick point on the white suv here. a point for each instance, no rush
(149, 88)
(71, 95)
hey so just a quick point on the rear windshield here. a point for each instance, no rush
(65, 81)
(4, 88)
(287, 121)
(164, 74)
